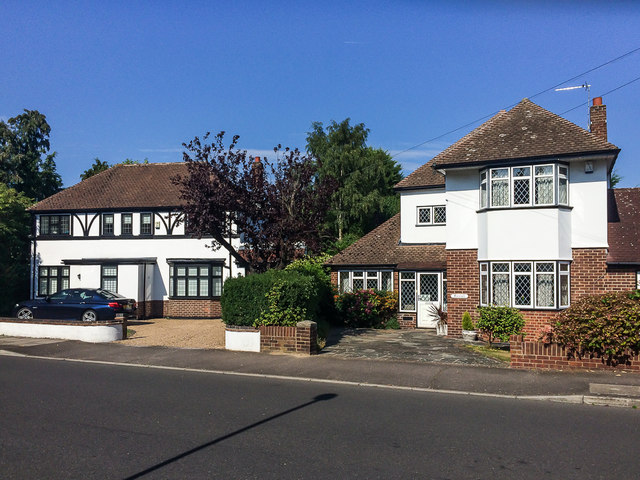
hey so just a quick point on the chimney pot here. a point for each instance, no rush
(597, 101)
(257, 160)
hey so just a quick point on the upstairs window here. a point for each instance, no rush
(107, 224)
(55, 225)
(126, 224)
(145, 224)
(436, 215)
(524, 186)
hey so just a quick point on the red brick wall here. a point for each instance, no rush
(302, 338)
(550, 356)
(462, 277)
(192, 309)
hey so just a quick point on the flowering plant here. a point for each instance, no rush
(368, 308)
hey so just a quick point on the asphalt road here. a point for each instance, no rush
(83, 421)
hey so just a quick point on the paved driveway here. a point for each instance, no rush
(408, 345)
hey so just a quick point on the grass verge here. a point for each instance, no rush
(495, 353)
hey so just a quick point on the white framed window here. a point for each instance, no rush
(543, 190)
(564, 284)
(484, 283)
(351, 281)
(435, 215)
(407, 291)
(638, 280)
(524, 186)
(522, 276)
(536, 285)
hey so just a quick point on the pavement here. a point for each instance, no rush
(415, 360)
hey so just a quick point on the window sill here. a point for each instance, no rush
(525, 207)
(194, 298)
(430, 224)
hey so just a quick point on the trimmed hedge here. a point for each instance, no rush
(279, 297)
(499, 322)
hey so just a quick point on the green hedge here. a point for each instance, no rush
(278, 297)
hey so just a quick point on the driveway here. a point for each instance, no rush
(422, 346)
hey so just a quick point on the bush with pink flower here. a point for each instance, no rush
(368, 309)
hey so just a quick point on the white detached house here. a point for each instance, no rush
(123, 230)
(518, 212)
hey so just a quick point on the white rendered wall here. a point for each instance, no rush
(588, 197)
(85, 333)
(462, 205)
(524, 234)
(410, 231)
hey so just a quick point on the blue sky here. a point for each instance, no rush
(135, 79)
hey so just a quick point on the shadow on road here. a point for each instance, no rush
(318, 398)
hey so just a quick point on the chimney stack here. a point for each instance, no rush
(598, 118)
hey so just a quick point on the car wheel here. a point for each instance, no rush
(25, 314)
(89, 316)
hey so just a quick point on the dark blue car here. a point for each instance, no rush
(85, 304)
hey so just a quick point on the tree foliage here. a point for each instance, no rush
(607, 325)
(24, 140)
(277, 208)
(14, 254)
(500, 322)
(100, 166)
(97, 167)
(365, 177)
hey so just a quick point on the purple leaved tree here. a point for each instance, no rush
(276, 208)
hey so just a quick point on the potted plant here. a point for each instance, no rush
(468, 329)
(441, 319)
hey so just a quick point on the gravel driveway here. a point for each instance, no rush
(166, 332)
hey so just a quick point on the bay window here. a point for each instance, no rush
(195, 280)
(524, 186)
(538, 285)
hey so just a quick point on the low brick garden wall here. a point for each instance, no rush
(301, 339)
(551, 356)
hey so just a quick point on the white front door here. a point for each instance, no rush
(428, 298)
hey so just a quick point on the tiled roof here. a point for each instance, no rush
(425, 177)
(525, 131)
(624, 225)
(122, 186)
(381, 247)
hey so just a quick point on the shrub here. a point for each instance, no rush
(275, 297)
(368, 308)
(499, 322)
(467, 323)
(607, 325)
(314, 268)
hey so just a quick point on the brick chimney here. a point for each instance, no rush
(598, 118)
(257, 171)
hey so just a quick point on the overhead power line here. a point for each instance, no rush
(602, 95)
(630, 52)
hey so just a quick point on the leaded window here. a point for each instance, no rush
(109, 278)
(357, 281)
(52, 279)
(544, 185)
(500, 283)
(55, 224)
(525, 284)
(522, 186)
(195, 280)
(408, 291)
(429, 287)
(436, 215)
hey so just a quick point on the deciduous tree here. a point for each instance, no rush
(277, 208)
(365, 177)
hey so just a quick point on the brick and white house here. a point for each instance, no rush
(123, 230)
(518, 212)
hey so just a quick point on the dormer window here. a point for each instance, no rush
(524, 186)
